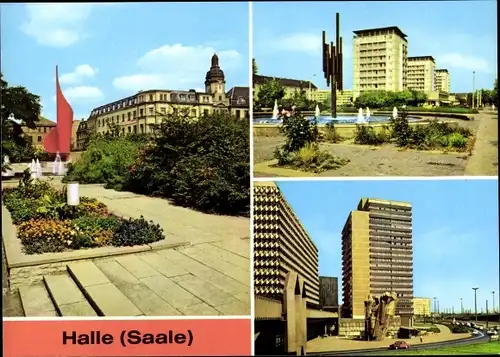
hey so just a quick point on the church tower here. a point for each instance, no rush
(215, 83)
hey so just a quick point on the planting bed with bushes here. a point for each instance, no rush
(45, 223)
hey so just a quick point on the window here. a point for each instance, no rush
(206, 111)
(163, 110)
(134, 114)
(142, 128)
(237, 114)
(123, 117)
(220, 97)
(141, 112)
(128, 116)
(39, 139)
(151, 97)
(129, 129)
(151, 111)
(135, 129)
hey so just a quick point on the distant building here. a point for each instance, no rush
(442, 80)
(344, 98)
(377, 256)
(139, 112)
(291, 86)
(380, 57)
(36, 136)
(328, 293)
(422, 307)
(281, 245)
(420, 74)
(74, 133)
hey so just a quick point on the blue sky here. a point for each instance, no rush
(455, 231)
(108, 51)
(460, 35)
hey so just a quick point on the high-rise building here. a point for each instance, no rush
(377, 256)
(344, 97)
(420, 74)
(379, 60)
(281, 245)
(442, 78)
(422, 307)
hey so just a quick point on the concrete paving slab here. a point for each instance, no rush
(200, 310)
(226, 268)
(240, 247)
(116, 273)
(234, 309)
(207, 292)
(63, 289)
(136, 266)
(244, 298)
(86, 273)
(147, 300)
(108, 300)
(36, 301)
(162, 265)
(225, 255)
(204, 272)
(169, 291)
(81, 308)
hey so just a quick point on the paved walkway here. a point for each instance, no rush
(209, 276)
(484, 159)
(340, 344)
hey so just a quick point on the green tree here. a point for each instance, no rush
(494, 93)
(25, 107)
(255, 68)
(269, 92)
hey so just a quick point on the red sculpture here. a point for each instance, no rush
(58, 140)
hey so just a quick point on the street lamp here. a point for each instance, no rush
(461, 306)
(310, 87)
(475, 299)
(473, 86)
(435, 309)
(493, 303)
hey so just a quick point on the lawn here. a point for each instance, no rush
(472, 349)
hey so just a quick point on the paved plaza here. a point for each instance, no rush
(208, 274)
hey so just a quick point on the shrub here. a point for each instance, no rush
(311, 158)
(366, 135)
(136, 232)
(22, 210)
(457, 141)
(331, 134)
(401, 129)
(46, 235)
(203, 164)
(298, 132)
(106, 160)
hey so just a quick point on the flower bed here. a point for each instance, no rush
(45, 223)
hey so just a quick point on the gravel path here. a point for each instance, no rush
(385, 160)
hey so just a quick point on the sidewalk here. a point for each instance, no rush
(484, 159)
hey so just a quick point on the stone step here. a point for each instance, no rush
(36, 301)
(105, 298)
(68, 299)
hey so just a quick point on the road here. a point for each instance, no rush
(471, 340)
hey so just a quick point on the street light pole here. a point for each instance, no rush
(475, 299)
(435, 309)
(493, 305)
(461, 306)
(473, 87)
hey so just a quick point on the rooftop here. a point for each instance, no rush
(421, 58)
(286, 82)
(390, 29)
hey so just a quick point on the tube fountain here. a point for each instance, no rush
(275, 110)
(395, 113)
(361, 119)
(368, 113)
(317, 112)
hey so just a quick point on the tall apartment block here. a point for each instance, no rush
(379, 60)
(281, 245)
(420, 73)
(422, 307)
(442, 80)
(377, 256)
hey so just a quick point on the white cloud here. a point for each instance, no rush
(463, 61)
(298, 42)
(57, 25)
(82, 94)
(80, 73)
(176, 67)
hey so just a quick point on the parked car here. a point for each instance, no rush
(475, 333)
(399, 345)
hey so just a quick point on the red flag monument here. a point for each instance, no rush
(58, 140)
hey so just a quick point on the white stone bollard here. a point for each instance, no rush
(73, 193)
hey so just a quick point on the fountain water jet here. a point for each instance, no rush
(368, 113)
(317, 112)
(275, 110)
(395, 113)
(361, 118)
